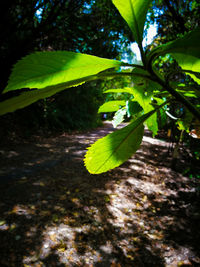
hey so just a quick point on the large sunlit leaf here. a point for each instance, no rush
(115, 148)
(134, 12)
(185, 50)
(27, 98)
(111, 106)
(43, 69)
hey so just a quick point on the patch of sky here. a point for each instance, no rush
(87, 7)
(150, 31)
(148, 39)
(38, 13)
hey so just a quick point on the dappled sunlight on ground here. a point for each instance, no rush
(54, 213)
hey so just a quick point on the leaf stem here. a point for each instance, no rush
(179, 97)
(142, 54)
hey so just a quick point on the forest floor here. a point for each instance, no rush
(54, 213)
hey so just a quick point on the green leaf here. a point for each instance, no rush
(185, 50)
(188, 93)
(2, 222)
(134, 12)
(44, 69)
(115, 148)
(195, 75)
(185, 123)
(188, 90)
(119, 117)
(112, 106)
(133, 108)
(120, 90)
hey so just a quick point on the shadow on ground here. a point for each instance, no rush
(54, 213)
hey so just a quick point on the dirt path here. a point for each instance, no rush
(54, 213)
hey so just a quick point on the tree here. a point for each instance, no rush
(52, 72)
(175, 17)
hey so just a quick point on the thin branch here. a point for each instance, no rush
(179, 97)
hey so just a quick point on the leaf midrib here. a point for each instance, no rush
(57, 72)
(120, 145)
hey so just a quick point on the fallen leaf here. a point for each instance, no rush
(75, 200)
(107, 198)
(144, 199)
(2, 222)
(55, 218)
(53, 237)
(61, 249)
(114, 264)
